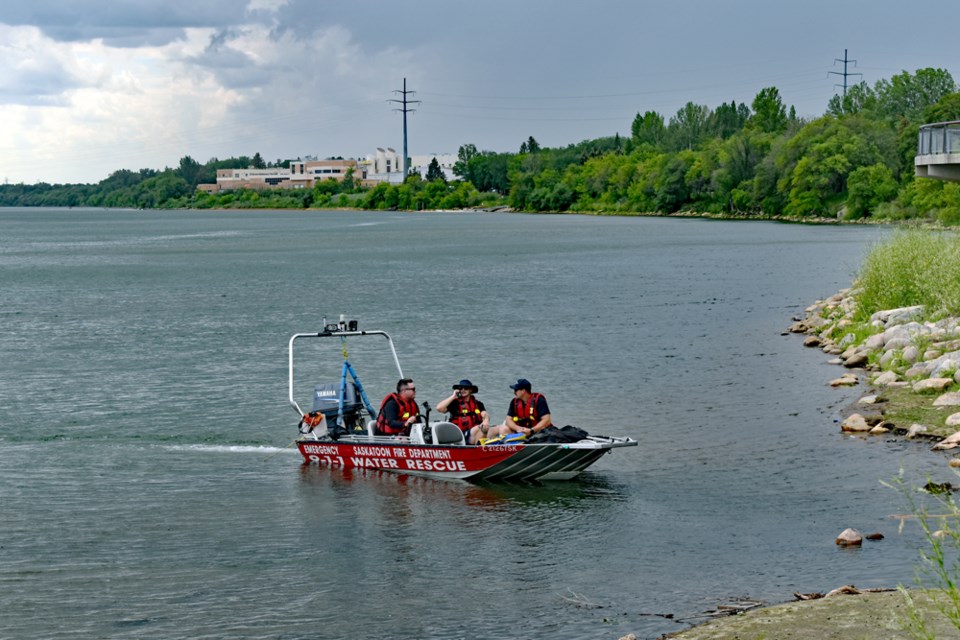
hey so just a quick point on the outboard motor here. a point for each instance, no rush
(326, 398)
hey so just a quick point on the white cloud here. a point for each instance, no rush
(266, 5)
(212, 93)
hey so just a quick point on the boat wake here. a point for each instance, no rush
(230, 448)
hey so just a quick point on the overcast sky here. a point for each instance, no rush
(88, 87)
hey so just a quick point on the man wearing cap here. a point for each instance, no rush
(466, 411)
(528, 412)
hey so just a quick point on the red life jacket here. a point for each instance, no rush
(405, 410)
(525, 415)
(469, 415)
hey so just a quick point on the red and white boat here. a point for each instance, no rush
(344, 437)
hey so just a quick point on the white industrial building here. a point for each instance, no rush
(386, 165)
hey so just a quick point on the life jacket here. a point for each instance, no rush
(405, 410)
(469, 414)
(312, 420)
(525, 415)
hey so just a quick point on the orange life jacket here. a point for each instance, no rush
(405, 410)
(469, 415)
(525, 415)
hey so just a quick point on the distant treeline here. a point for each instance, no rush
(760, 159)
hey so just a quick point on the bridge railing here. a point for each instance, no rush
(939, 137)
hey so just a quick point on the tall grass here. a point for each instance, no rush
(938, 575)
(913, 267)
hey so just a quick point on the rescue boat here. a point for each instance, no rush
(340, 432)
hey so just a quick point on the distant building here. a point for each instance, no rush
(386, 165)
(302, 174)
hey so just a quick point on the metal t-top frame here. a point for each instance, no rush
(333, 331)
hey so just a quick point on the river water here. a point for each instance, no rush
(148, 490)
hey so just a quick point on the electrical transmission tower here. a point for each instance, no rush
(845, 61)
(405, 110)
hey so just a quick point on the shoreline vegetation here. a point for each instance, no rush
(734, 160)
(897, 332)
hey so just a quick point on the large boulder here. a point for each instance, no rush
(855, 423)
(846, 380)
(931, 384)
(916, 430)
(951, 399)
(950, 442)
(858, 359)
(885, 378)
(849, 537)
(896, 343)
(945, 365)
(903, 315)
(919, 369)
(953, 420)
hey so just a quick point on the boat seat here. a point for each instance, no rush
(447, 433)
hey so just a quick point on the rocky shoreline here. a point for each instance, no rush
(910, 369)
(910, 366)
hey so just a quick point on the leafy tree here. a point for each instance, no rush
(727, 119)
(688, 127)
(859, 98)
(434, 172)
(906, 96)
(257, 162)
(944, 110)
(466, 153)
(349, 182)
(488, 171)
(648, 129)
(769, 114)
(816, 162)
(868, 187)
(530, 146)
(671, 190)
(189, 171)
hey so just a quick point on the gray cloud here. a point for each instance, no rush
(126, 24)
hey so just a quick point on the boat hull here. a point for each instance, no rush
(491, 463)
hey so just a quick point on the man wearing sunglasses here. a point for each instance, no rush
(398, 410)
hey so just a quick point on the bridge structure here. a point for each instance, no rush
(938, 151)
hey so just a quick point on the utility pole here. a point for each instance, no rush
(405, 110)
(845, 61)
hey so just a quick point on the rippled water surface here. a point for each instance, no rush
(148, 489)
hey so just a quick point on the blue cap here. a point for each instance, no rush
(522, 383)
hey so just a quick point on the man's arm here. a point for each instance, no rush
(444, 405)
(543, 410)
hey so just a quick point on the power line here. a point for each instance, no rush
(845, 61)
(405, 110)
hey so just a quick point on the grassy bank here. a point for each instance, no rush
(914, 267)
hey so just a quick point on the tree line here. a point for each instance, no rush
(761, 159)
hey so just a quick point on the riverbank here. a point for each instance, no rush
(909, 368)
(843, 617)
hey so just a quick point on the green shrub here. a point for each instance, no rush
(913, 267)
